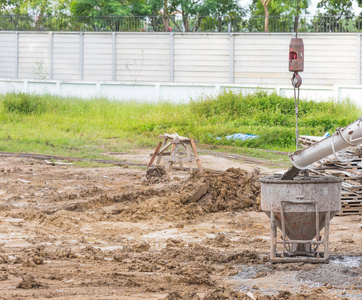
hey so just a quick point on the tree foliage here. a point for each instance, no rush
(97, 8)
(183, 15)
(35, 7)
(282, 10)
(189, 15)
(334, 16)
(279, 7)
(336, 8)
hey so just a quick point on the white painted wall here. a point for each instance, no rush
(66, 56)
(97, 56)
(8, 55)
(193, 63)
(142, 58)
(173, 92)
(254, 58)
(33, 55)
(202, 58)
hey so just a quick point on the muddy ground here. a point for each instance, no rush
(68, 232)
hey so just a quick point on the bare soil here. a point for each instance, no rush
(114, 233)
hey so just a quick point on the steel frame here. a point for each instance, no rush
(287, 255)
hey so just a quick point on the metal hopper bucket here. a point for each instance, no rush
(300, 208)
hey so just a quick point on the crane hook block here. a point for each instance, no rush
(296, 55)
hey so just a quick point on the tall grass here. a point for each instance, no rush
(86, 128)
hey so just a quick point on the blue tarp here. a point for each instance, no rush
(239, 136)
(244, 136)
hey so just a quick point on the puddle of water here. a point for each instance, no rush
(268, 285)
(276, 280)
(348, 261)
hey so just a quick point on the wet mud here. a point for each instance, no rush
(121, 233)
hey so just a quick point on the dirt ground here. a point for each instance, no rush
(68, 232)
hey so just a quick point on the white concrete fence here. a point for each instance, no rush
(174, 92)
(176, 66)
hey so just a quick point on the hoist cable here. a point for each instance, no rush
(296, 25)
(296, 84)
(296, 107)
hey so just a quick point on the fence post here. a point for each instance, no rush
(81, 37)
(113, 56)
(17, 54)
(171, 57)
(51, 55)
(231, 58)
(358, 58)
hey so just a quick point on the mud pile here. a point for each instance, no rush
(234, 190)
(195, 196)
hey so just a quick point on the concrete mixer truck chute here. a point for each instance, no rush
(351, 135)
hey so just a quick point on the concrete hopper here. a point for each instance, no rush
(300, 208)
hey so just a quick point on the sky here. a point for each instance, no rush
(312, 7)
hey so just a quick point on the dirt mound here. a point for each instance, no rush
(28, 282)
(156, 174)
(195, 252)
(155, 171)
(225, 294)
(187, 295)
(233, 190)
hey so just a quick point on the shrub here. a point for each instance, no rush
(23, 103)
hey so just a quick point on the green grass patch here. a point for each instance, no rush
(87, 128)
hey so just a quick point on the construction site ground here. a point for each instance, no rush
(69, 232)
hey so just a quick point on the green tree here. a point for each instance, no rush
(223, 8)
(188, 9)
(337, 8)
(334, 15)
(194, 12)
(139, 7)
(34, 7)
(282, 10)
(10, 6)
(107, 14)
(32, 12)
(163, 9)
(222, 11)
(97, 8)
(265, 4)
